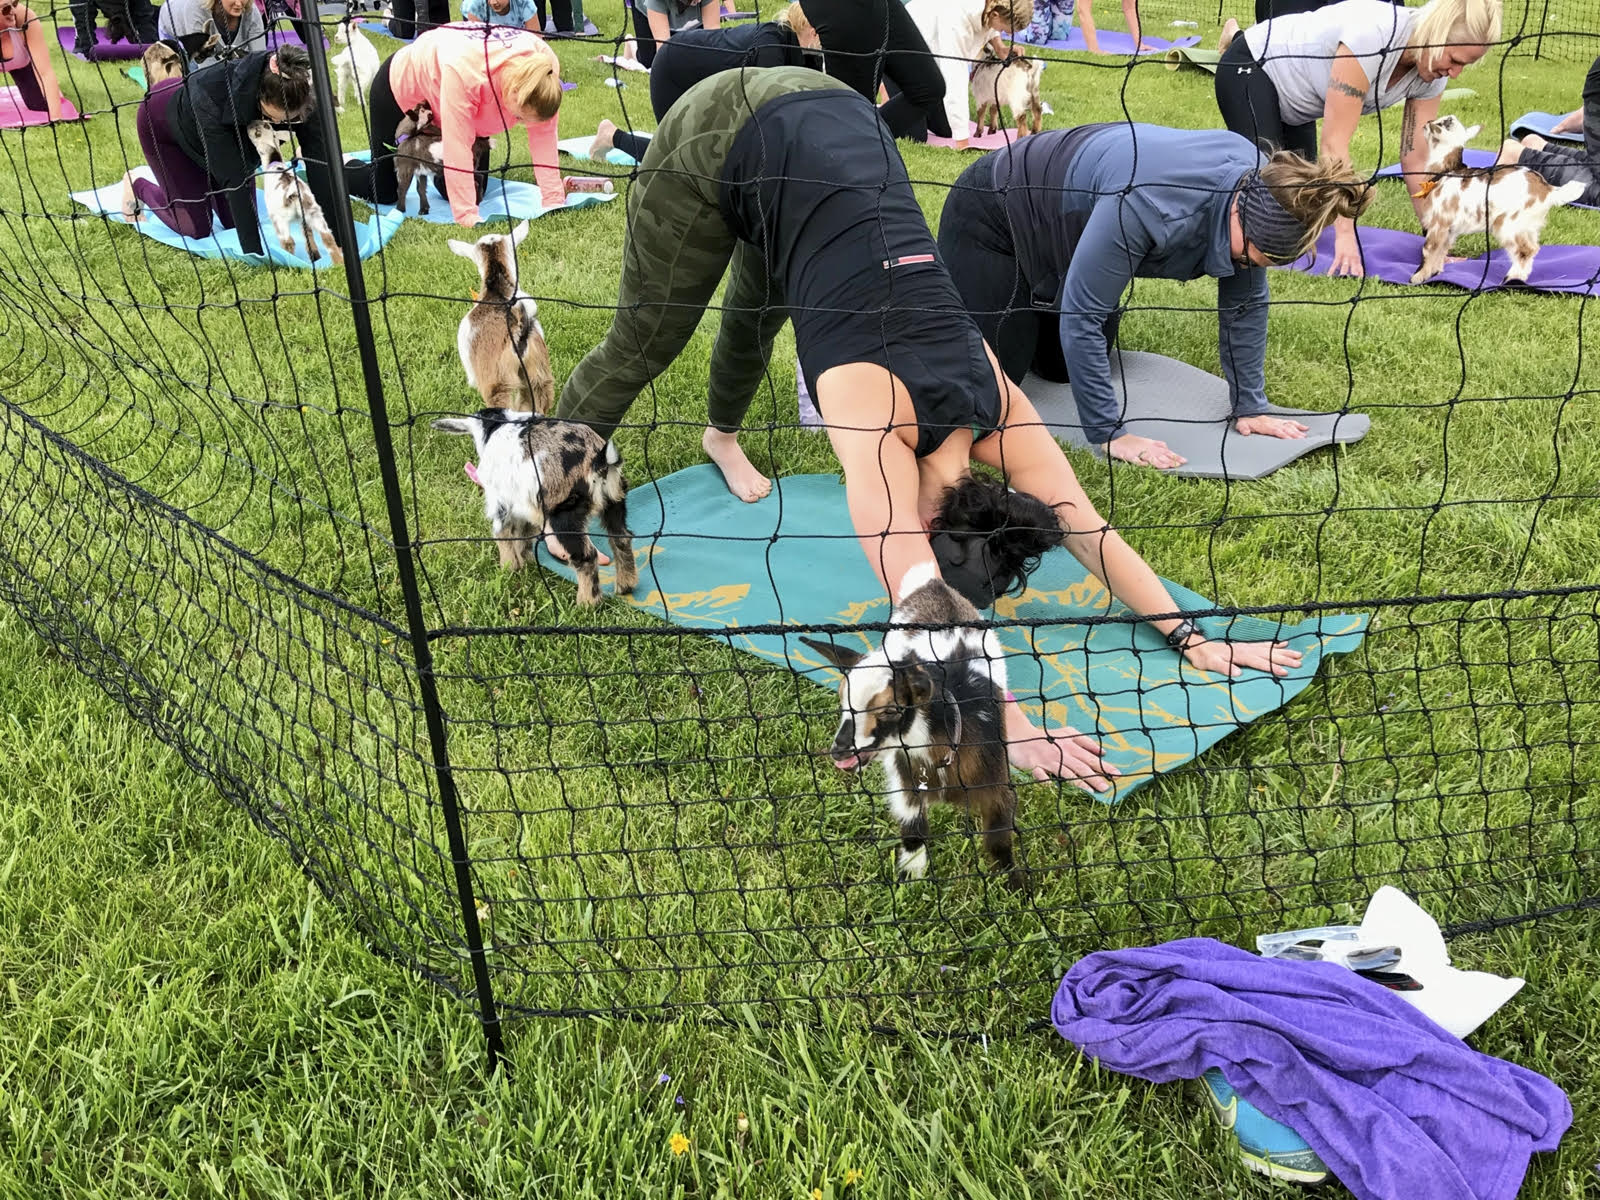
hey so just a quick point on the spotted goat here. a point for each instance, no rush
(1508, 201)
(544, 477)
(929, 704)
(500, 340)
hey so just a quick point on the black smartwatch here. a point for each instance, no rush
(1185, 630)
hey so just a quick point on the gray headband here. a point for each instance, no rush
(1266, 224)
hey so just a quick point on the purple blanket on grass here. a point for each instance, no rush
(1394, 256)
(104, 50)
(1398, 1108)
(1114, 41)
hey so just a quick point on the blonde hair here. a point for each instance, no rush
(532, 82)
(1315, 193)
(794, 19)
(1018, 14)
(1445, 23)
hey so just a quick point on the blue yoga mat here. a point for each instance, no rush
(1542, 123)
(503, 200)
(578, 148)
(224, 243)
(1115, 41)
(713, 563)
(1471, 159)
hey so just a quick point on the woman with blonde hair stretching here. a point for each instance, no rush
(957, 32)
(1043, 238)
(1336, 64)
(479, 80)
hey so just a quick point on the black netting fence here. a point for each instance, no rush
(224, 502)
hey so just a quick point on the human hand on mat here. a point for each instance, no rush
(1228, 658)
(1062, 753)
(1278, 427)
(1144, 452)
(1571, 123)
(1346, 253)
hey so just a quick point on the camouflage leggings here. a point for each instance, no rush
(677, 250)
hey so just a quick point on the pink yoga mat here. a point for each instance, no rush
(104, 49)
(997, 140)
(13, 115)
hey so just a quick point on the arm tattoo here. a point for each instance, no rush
(1408, 132)
(1341, 86)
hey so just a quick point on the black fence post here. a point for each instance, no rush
(344, 229)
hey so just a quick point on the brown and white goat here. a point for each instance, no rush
(288, 197)
(1013, 84)
(541, 474)
(929, 704)
(500, 340)
(1508, 201)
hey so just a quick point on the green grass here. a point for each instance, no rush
(190, 1019)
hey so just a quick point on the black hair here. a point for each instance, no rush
(289, 87)
(988, 539)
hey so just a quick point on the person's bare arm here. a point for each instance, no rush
(1347, 93)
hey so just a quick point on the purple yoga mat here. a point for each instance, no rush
(1469, 159)
(104, 49)
(1394, 256)
(284, 35)
(13, 114)
(1114, 41)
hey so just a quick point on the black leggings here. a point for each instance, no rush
(375, 180)
(561, 10)
(411, 17)
(1250, 105)
(26, 80)
(871, 41)
(1561, 165)
(644, 40)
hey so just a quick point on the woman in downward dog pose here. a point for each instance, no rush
(829, 233)
(1044, 236)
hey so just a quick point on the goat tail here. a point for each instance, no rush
(1569, 193)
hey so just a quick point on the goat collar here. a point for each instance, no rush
(1425, 189)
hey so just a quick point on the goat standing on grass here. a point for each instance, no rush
(356, 65)
(500, 340)
(538, 473)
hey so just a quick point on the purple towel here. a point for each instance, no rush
(1114, 41)
(1398, 1108)
(104, 49)
(1394, 257)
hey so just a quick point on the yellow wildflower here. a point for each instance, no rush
(852, 1177)
(816, 1194)
(679, 1143)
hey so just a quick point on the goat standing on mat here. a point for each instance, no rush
(500, 340)
(541, 474)
(288, 197)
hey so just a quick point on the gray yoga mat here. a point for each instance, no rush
(1188, 409)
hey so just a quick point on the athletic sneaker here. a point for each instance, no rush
(1267, 1147)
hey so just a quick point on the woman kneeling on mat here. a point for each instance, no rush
(479, 80)
(828, 232)
(1561, 165)
(1043, 238)
(192, 130)
(856, 39)
(25, 57)
(1337, 63)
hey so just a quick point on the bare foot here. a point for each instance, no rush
(738, 472)
(132, 210)
(1230, 30)
(1144, 452)
(1278, 427)
(604, 140)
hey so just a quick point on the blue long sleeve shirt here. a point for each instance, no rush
(1156, 202)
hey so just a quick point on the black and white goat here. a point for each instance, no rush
(929, 704)
(538, 473)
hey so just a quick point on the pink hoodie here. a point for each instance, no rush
(454, 69)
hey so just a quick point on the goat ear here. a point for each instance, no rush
(840, 656)
(465, 249)
(454, 424)
(517, 234)
(913, 686)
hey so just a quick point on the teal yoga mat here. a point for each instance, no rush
(711, 563)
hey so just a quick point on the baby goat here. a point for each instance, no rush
(419, 151)
(931, 703)
(355, 65)
(538, 472)
(1008, 83)
(288, 198)
(500, 340)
